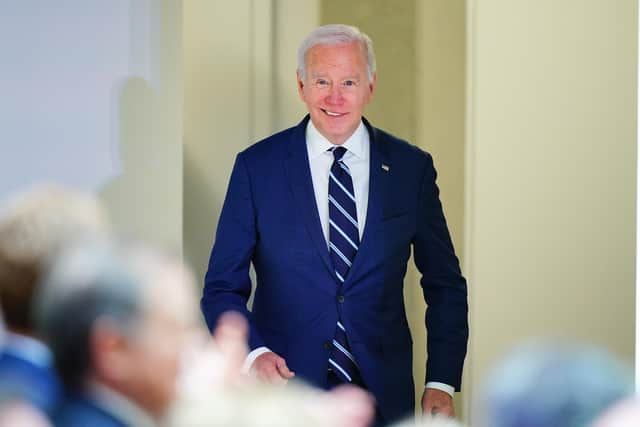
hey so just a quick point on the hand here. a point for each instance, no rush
(346, 405)
(352, 406)
(271, 368)
(230, 336)
(437, 402)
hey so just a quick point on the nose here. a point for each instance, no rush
(335, 95)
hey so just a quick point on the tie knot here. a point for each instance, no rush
(338, 153)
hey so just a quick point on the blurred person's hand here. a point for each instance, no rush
(230, 337)
(213, 363)
(350, 406)
(271, 368)
(437, 402)
(21, 414)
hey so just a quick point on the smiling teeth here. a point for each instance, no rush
(332, 113)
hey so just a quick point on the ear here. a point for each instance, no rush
(300, 85)
(109, 351)
(372, 85)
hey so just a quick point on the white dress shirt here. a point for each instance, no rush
(357, 160)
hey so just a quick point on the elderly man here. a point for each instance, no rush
(116, 318)
(33, 228)
(328, 212)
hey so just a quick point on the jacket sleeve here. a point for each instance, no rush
(444, 287)
(227, 285)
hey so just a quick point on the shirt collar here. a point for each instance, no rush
(119, 405)
(318, 144)
(29, 349)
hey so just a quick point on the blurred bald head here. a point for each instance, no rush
(33, 227)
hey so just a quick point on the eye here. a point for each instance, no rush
(322, 83)
(349, 83)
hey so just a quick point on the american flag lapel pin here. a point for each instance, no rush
(385, 167)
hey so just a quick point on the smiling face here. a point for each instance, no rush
(336, 89)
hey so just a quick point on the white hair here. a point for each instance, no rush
(335, 34)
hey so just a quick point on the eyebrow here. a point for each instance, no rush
(324, 75)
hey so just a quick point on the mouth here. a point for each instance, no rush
(333, 113)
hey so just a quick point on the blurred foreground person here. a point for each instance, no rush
(553, 385)
(263, 405)
(33, 227)
(214, 392)
(116, 318)
(17, 413)
(623, 414)
(428, 421)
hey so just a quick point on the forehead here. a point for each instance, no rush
(347, 57)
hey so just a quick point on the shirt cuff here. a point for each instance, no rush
(437, 386)
(251, 357)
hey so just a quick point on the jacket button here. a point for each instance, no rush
(327, 345)
(340, 299)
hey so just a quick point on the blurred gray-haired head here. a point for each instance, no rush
(335, 34)
(552, 384)
(34, 226)
(117, 314)
(87, 282)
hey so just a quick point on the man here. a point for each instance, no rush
(327, 212)
(116, 318)
(33, 228)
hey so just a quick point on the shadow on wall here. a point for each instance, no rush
(137, 198)
(203, 203)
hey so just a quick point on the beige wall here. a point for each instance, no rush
(440, 125)
(217, 122)
(145, 201)
(550, 218)
(288, 35)
(239, 60)
(391, 26)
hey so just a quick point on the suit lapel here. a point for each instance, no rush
(299, 176)
(377, 194)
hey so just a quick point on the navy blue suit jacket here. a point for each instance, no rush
(80, 411)
(270, 218)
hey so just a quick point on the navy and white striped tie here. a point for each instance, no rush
(343, 245)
